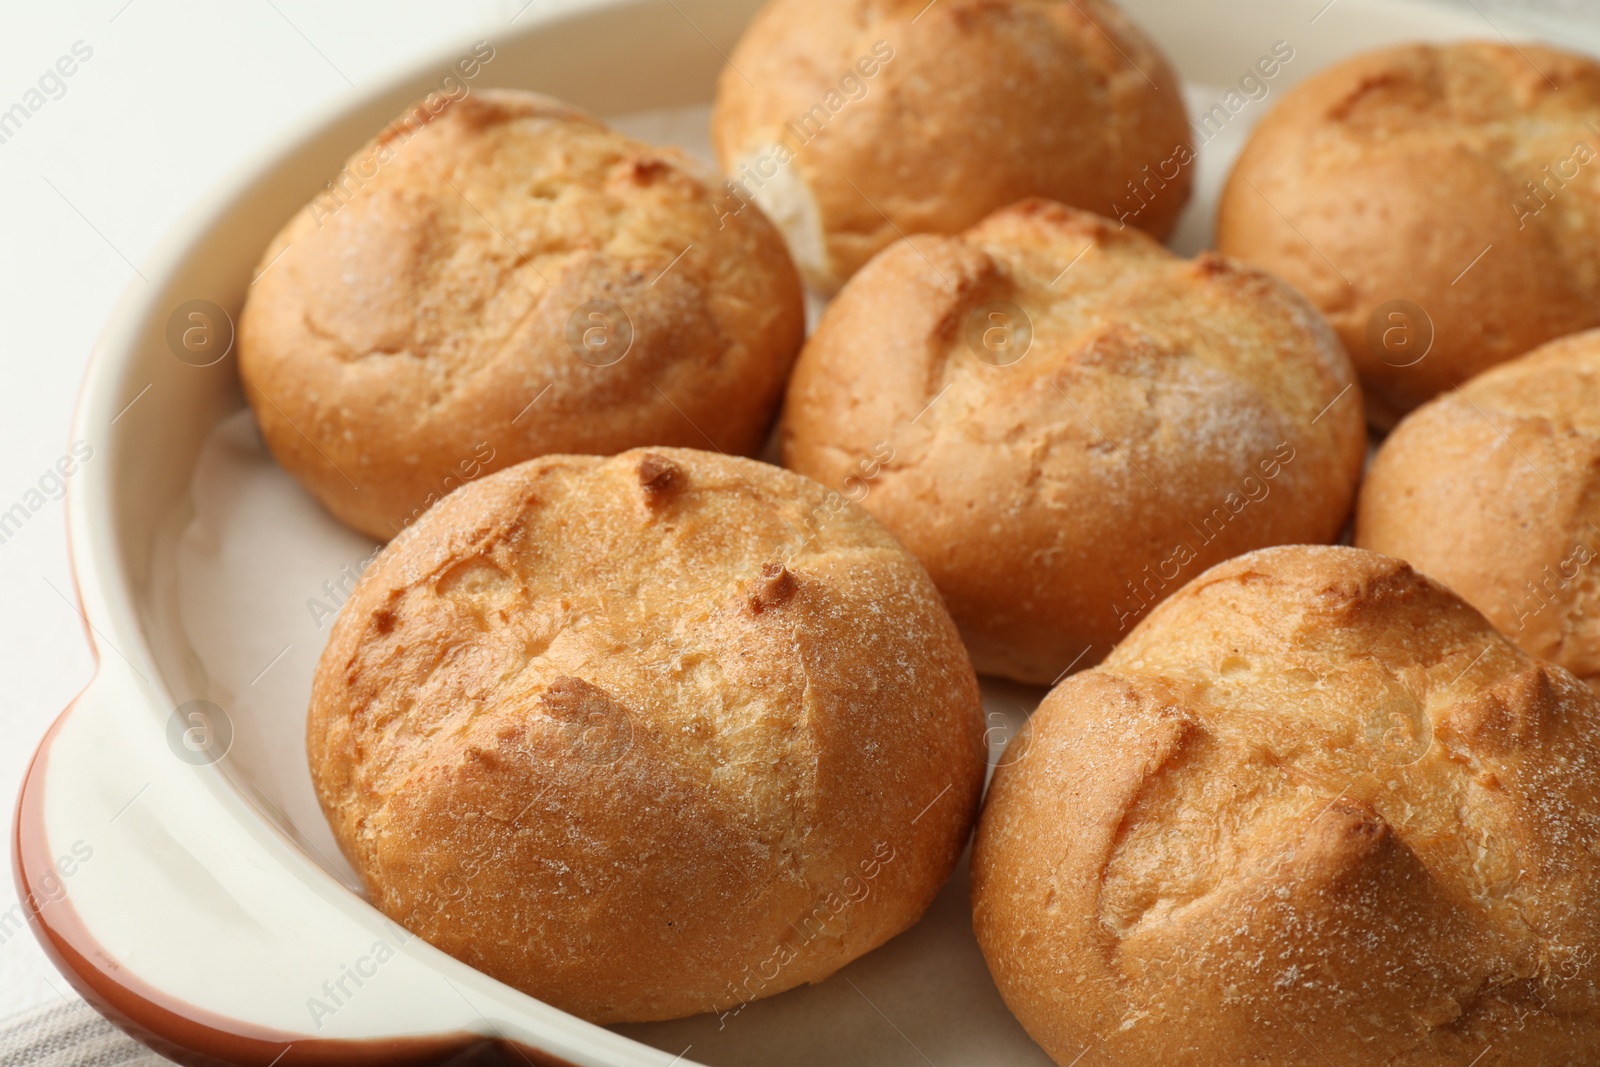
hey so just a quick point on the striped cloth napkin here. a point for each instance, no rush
(70, 1035)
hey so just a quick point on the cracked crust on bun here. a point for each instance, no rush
(650, 735)
(502, 279)
(1314, 812)
(1066, 422)
(863, 121)
(1439, 203)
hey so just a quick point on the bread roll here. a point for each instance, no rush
(1438, 203)
(1065, 422)
(857, 122)
(504, 279)
(1313, 812)
(648, 736)
(1494, 490)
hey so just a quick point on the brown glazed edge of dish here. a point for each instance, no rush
(174, 1028)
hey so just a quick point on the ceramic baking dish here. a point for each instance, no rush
(163, 875)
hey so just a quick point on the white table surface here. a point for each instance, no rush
(176, 94)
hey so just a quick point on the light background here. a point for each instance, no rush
(177, 94)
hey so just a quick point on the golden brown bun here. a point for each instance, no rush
(648, 736)
(1313, 812)
(428, 327)
(1169, 414)
(1387, 177)
(1494, 490)
(969, 105)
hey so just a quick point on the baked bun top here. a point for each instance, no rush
(1462, 180)
(1128, 419)
(863, 121)
(503, 279)
(1314, 810)
(648, 736)
(1494, 490)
